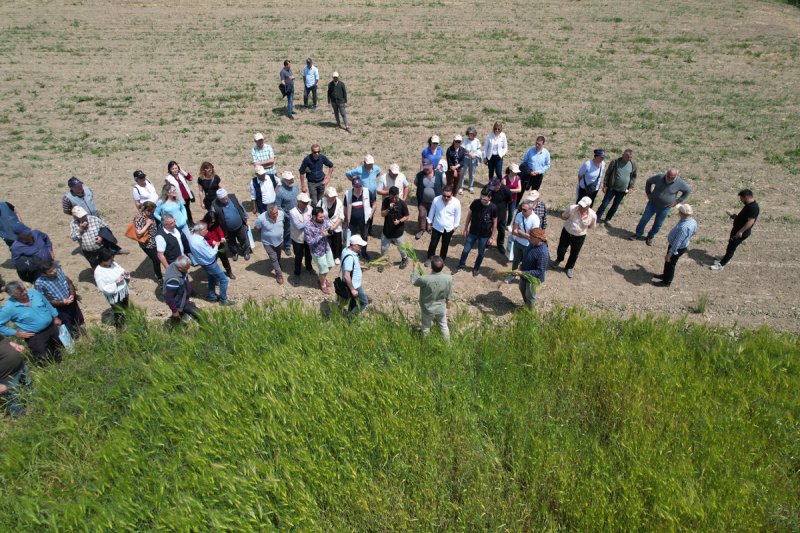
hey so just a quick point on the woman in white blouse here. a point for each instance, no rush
(179, 178)
(494, 149)
(112, 280)
(472, 149)
(143, 190)
(334, 214)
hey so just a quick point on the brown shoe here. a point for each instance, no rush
(279, 279)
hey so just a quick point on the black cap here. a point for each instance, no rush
(138, 174)
(745, 192)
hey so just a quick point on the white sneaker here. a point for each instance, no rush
(716, 266)
(337, 261)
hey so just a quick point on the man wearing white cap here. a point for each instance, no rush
(298, 217)
(87, 230)
(286, 199)
(262, 154)
(578, 219)
(337, 98)
(677, 244)
(351, 275)
(396, 178)
(262, 190)
(233, 221)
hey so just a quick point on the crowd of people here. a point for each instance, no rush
(188, 221)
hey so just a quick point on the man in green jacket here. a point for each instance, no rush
(435, 291)
(619, 180)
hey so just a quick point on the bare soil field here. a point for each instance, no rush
(99, 89)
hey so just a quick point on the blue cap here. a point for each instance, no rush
(599, 153)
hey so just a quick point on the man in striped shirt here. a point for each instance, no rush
(678, 240)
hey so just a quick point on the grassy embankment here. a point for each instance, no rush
(272, 416)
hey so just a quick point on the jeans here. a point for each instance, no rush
(470, 242)
(495, 167)
(469, 169)
(669, 266)
(306, 90)
(649, 211)
(574, 243)
(611, 197)
(15, 382)
(733, 244)
(519, 252)
(435, 236)
(215, 276)
(441, 319)
(386, 241)
(360, 302)
(339, 109)
(290, 103)
(510, 212)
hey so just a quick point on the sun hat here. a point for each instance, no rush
(533, 196)
(458, 137)
(514, 168)
(369, 160)
(260, 170)
(356, 239)
(330, 192)
(79, 212)
(394, 168)
(139, 175)
(304, 197)
(287, 175)
(335, 74)
(585, 202)
(221, 193)
(685, 209)
(258, 137)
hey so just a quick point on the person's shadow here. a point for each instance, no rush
(494, 302)
(635, 276)
(619, 233)
(701, 257)
(327, 124)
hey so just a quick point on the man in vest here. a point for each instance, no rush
(357, 213)
(233, 220)
(78, 196)
(171, 243)
(262, 190)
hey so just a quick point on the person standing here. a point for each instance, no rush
(310, 82)
(334, 216)
(433, 153)
(287, 80)
(170, 205)
(352, 276)
(578, 219)
(35, 321)
(271, 223)
(262, 155)
(502, 197)
(143, 190)
(233, 220)
(396, 178)
(368, 172)
(30, 251)
(619, 180)
(430, 184)
(524, 221)
(171, 242)
(298, 217)
(262, 190)
(286, 200)
(534, 165)
(112, 280)
(395, 213)
(677, 243)
(178, 290)
(743, 223)
(358, 213)
(534, 263)
(208, 183)
(473, 154)
(145, 224)
(513, 181)
(316, 236)
(435, 292)
(480, 226)
(445, 217)
(92, 234)
(495, 148)
(313, 177)
(337, 99)
(78, 195)
(205, 255)
(664, 191)
(179, 178)
(215, 236)
(61, 293)
(590, 176)
(455, 156)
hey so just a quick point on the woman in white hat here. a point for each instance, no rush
(578, 219)
(333, 208)
(433, 153)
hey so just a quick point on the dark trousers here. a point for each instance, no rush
(72, 317)
(534, 183)
(316, 190)
(495, 167)
(335, 240)
(611, 197)
(574, 243)
(301, 251)
(93, 257)
(189, 220)
(152, 253)
(584, 192)
(362, 230)
(45, 345)
(435, 236)
(238, 242)
(313, 91)
(226, 263)
(733, 244)
(669, 266)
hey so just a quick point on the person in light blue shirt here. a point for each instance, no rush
(368, 172)
(271, 223)
(351, 275)
(171, 206)
(678, 242)
(205, 255)
(310, 81)
(534, 164)
(35, 319)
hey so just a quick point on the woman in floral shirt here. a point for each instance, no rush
(146, 224)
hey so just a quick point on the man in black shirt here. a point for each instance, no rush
(395, 213)
(742, 225)
(480, 226)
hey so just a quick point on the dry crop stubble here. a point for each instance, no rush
(705, 87)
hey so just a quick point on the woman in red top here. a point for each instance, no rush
(216, 236)
(514, 184)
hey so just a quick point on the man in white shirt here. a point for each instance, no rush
(445, 216)
(310, 82)
(170, 242)
(262, 190)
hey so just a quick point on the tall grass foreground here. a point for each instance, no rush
(273, 417)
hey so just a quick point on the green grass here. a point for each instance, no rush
(273, 417)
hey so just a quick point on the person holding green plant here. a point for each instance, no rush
(534, 264)
(435, 291)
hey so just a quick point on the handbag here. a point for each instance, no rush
(341, 288)
(66, 338)
(130, 232)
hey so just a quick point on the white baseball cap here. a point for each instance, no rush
(303, 197)
(369, 160)
(514, 168)
(435, 139)
(394, 168)
(458, 137)
(330, 192)
(79, 212)
(287, 175)
(258, 136)
(533, 196)
(335, 74)
(585, 202)
(356, 239)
